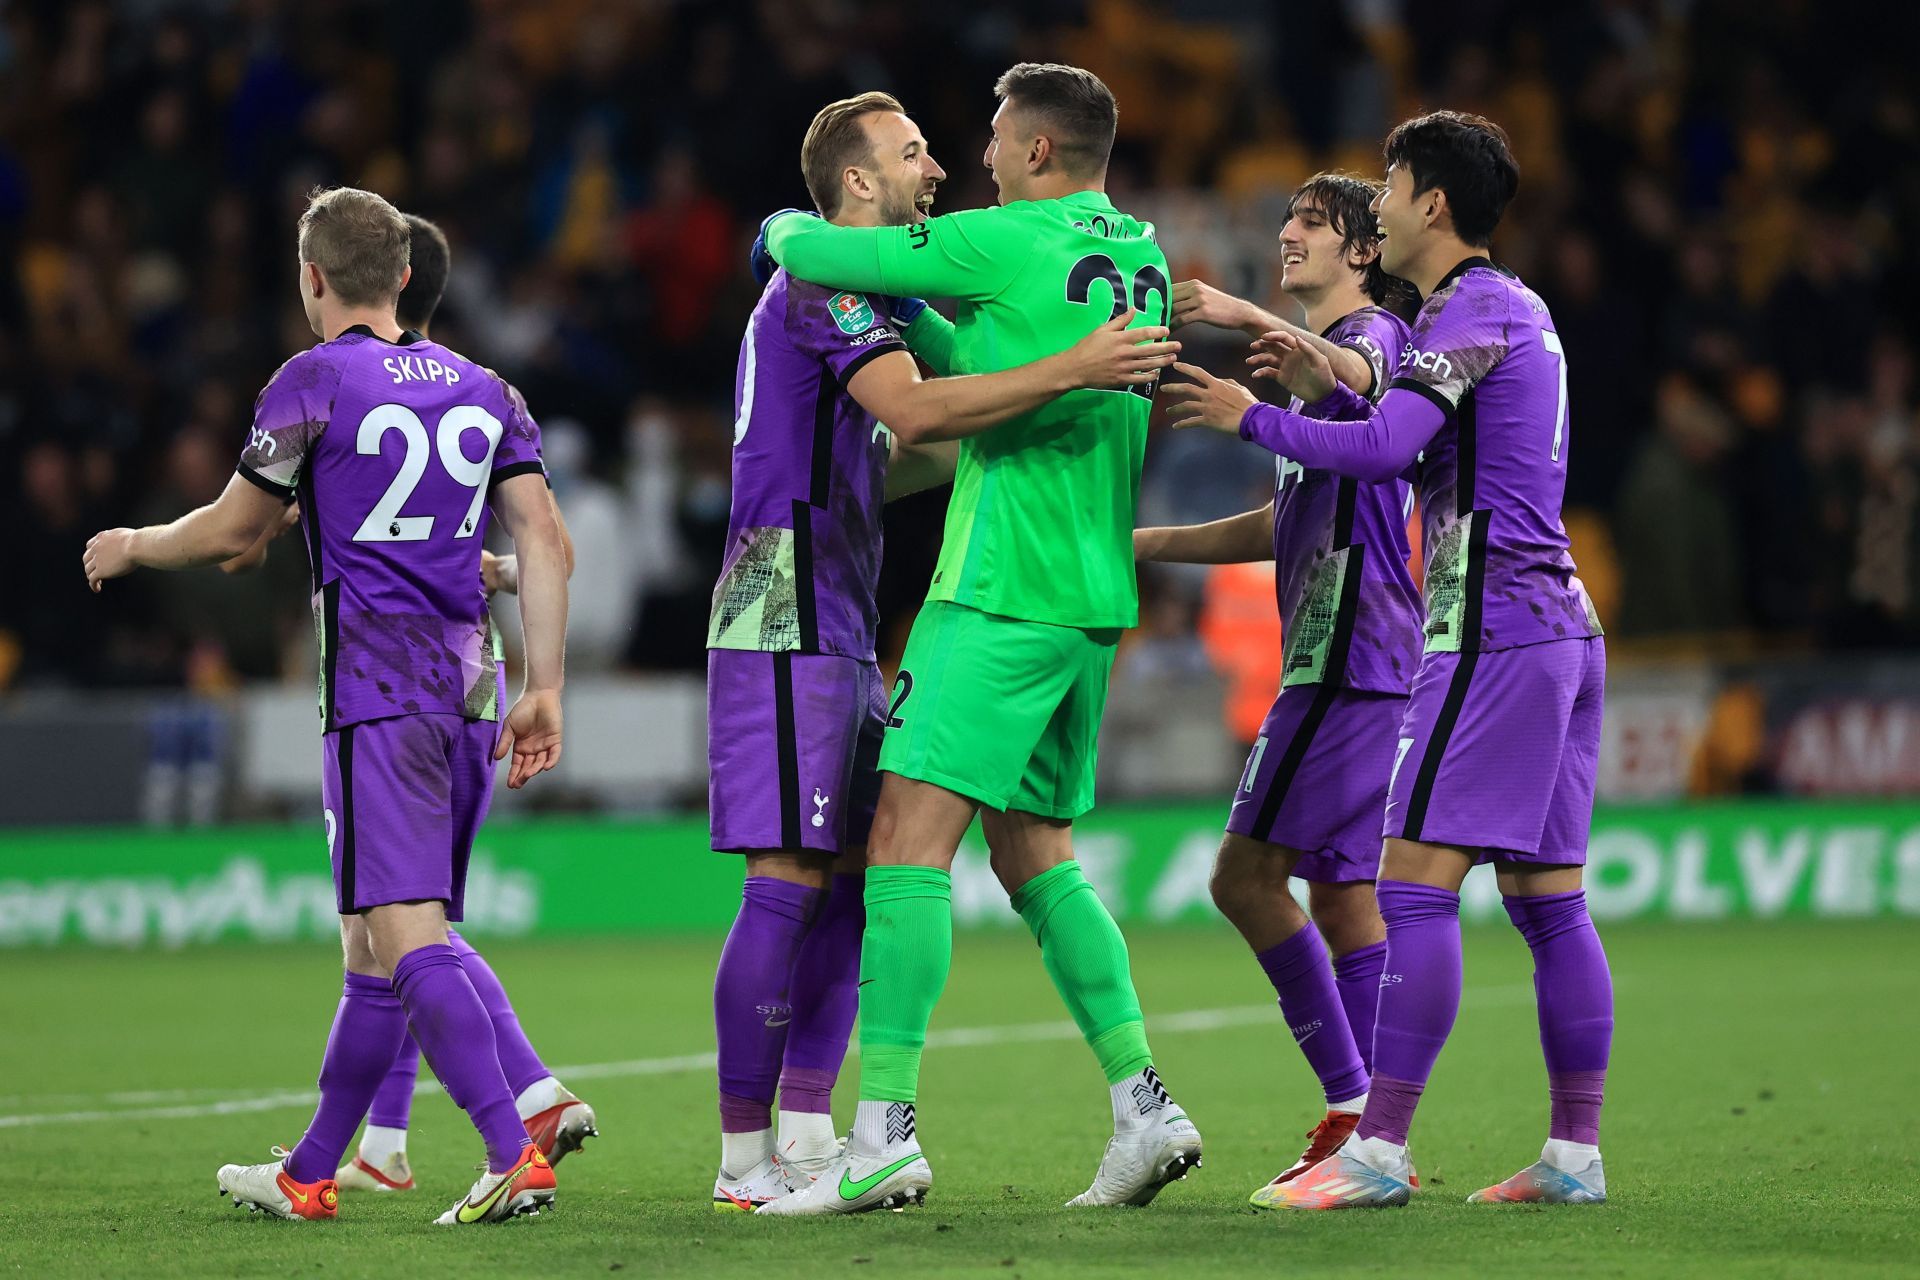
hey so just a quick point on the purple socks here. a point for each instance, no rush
(1311, 1004)
(393, 1104)
(825, 993)
(1419, 999)
(452, 1026)
(1358, 976)
(1574, 992)
(518, 1062)
(752, 1005)
(368, 1028)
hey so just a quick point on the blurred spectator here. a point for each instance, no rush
(1677, 539)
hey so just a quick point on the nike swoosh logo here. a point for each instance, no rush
(864, 981)
(781, 1023)
(470, 1212)
(294, 1193)
(854, 1190)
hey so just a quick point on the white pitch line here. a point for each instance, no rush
(1184, 1022)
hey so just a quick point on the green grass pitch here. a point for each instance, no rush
(1761, 1120)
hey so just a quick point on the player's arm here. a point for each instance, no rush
(914, 467)
(921, 411)
(256, 555)
(502, 573)
(531, 731)
(1347, 433)
(221, 530)
(1197, 302)
(972, 254)
(1234, 540)
(1349, 367)
(929, 335)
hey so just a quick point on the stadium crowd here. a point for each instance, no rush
(1712, 203)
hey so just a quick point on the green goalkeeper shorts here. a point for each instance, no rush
(1000, 710)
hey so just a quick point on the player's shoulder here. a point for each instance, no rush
(1476, 291)
(1373, 324)
(306, 384)
(815, 311)
(322, 363)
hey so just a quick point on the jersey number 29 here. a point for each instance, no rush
(1147, 281)
(385, 523)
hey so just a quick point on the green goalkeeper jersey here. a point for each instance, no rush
(1040, 526)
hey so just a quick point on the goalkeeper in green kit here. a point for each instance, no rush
(997, 705)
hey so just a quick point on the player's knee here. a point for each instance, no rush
(1347, 915)
(1247, 878)
(356, 948)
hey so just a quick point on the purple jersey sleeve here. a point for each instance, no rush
(841, 328)
(1460, 335)
(292, 411)
(1376, 336)
(1347, 434)
(519, 451)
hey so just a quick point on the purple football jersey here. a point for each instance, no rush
(391, 449)
(809, 477)
(1349, 611)
(1498, 571)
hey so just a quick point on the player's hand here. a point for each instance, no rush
(1286, 357)
(1206, 401)
(531, 732)
(1116, 356)
(109, 554)
(499, 573)
(1197, 302)
(759, 261)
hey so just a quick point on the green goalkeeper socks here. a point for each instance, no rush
(1087, 959)
(904, 958)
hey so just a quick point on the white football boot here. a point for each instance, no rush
(890, 1174)
(765, 1182)
(1153, 1144)
(269, 1188)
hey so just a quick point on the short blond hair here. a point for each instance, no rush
(359, 241)
(836, 139)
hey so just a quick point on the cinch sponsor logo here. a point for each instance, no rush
(261, 440)
(1432, 361)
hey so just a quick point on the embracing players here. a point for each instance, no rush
(998, 702)
(1497, 754)
(396, 447)
(1311, 799)
(796, 703)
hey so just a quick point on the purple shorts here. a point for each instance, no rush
(1499, 751)
(1317, 779)
(404, 798)
(792, 744)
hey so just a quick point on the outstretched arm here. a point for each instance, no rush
(1371, 442)
(920, 411)
(971, 254)
(1197, 302)
(1234, 540)
(221, 530)
(256, 555)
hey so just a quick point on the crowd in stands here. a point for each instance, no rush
(1714, 203)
